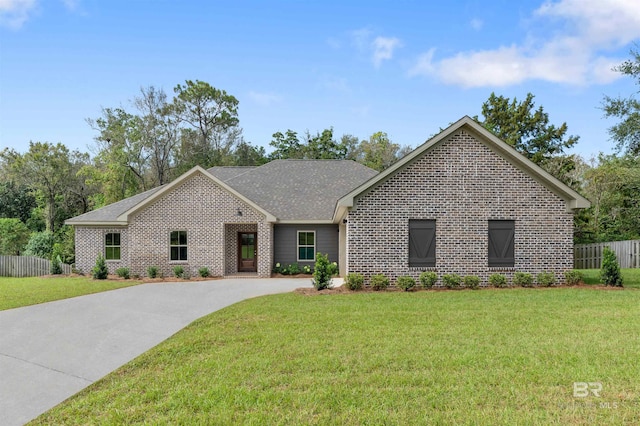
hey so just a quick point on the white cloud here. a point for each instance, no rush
(264, 98)
(584, 31)
(383, 48)
(380, 48)
(14, 13)
(71, 5)
(476, 24)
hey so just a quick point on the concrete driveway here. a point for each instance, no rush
(49, 352)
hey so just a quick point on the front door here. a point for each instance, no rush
(247, 252)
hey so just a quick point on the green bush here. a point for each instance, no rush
(14, 235)
(546, 279)
(123, 273)
(523, 279)
(321, 276)
(379, 282)
(498, 280)
(56, 265)
(294, 269)
(40, 245)
(451, 280)
(472, 282)
(573, 277)
(277, 269)
(610, 272)
(100, 271)
(152, 271)
(333, 269)
(428, 279)
(203, 272)
(354, 281)
(306, 269)
(405, 282)
(178, 271)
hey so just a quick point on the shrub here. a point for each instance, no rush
(451, 280)
(178, 271)
(472, 282)
(306, 269)
(321, 275)
(294, 269)
(56, 267)
(523, 279)
(277, 269)
(152, 271)
(498, 280)
(123, 273)
(203, 272)
(333, 268)
(100, 271)
(354, 281)
(40, 245)
(428, 279)
(546, 279)
(405, 282)
(379, 282)
(573, 277)
(610, 272)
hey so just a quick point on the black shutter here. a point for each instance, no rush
(501, 243)
(422, 243)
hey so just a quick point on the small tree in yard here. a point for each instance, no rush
(322, 272)
(610, 272)
(100, 271)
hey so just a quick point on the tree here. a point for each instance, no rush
(47, 169)
(159, 133)
(16, 201)
(525, 128)
(13, 236)
(322, 146)
(286, 145)
(379, 152)
(610, 271)
(246, 154)
(626, 133)
(210, 114)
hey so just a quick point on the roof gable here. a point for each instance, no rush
(124, 217)
(571, 197)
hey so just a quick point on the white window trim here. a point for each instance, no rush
(112, 246)
(178, 245)
(305, 245)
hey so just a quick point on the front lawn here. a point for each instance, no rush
(463, 357)
(17, 292)
(631, 277)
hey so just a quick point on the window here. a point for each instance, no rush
(178, 245)
(112, 246)
(501, 243)
(306, 245)
(422, 243)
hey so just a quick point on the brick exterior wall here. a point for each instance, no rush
(461, 183)
(206, 211)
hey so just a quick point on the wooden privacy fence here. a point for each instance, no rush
(27, 266)
(589, 256)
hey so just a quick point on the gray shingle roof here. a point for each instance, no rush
(111, 212)
(303, 190)
(225, 173)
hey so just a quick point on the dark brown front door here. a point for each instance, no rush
(247, 252)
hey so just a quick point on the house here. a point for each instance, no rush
(464, 202)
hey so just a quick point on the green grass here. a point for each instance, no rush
(485, 357)
(630, 277)
(17, 292)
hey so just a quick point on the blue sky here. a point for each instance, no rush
(407, 68)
